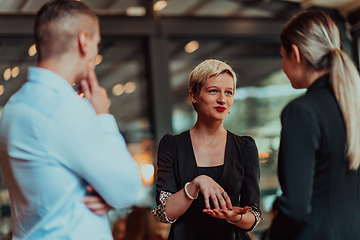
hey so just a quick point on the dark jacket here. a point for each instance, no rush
(321, 196)
(177, 166)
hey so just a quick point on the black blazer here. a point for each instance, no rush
(177, 166)
(321, 196)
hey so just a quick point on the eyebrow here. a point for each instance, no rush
(218, 87)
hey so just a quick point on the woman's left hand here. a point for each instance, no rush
(233, 215)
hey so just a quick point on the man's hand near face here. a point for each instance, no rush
(94, 93)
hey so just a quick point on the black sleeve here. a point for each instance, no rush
(250, 190)
(300, 138)
(165, 167)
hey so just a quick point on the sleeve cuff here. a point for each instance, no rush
(159, 211)
(257, 214)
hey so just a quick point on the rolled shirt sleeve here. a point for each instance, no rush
(166, 183)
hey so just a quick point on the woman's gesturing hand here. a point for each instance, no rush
(231, 216)
(210, 189)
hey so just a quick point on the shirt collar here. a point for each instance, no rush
(50, 79)
(321, 82)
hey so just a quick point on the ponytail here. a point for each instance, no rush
(318, 40)
(346, 84)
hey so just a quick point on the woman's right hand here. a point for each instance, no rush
(211, 189)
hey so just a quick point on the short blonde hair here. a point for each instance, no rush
(206, 70)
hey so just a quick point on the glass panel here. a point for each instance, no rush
(121, 73)
(262, 92)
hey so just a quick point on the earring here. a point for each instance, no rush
(196, 106)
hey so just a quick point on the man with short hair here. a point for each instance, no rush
(54, 144)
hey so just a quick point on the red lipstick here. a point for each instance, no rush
(220, 109)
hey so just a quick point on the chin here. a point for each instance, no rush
(294, 86)
(220, 118)
(80, 76)
(297, 86)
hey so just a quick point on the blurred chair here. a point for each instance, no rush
(162, 230)
(273, 212)
(140, 225)
(119, 228)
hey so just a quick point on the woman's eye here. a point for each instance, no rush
(229, 93)
(212, 91)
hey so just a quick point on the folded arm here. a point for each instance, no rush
(92, 147)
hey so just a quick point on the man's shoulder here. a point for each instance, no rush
(36, 97)
(39, 106)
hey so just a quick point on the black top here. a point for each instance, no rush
(177, 166)
(321, 196)
(214, 172)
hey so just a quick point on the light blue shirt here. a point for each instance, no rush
(52, 144)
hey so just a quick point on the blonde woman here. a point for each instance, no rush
(202, 172)
(320, 141)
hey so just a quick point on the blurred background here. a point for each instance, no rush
(148, 50)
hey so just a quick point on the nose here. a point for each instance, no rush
(221, 99)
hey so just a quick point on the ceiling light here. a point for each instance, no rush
(263, 155)
(147, 173)
(191, 46)
(15, 72)
(98, 59)
(32, 50)
(7, 74)
(118, 89)
(1, 89)
(160, 5)
(130, 87)
(136, 11)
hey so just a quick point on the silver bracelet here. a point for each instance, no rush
(187, 193)
(236, 221)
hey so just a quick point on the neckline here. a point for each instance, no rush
(218, 166)
(193, 153)
(320, 82)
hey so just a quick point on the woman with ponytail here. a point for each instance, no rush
(319, 154)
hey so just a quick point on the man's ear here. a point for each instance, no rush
(296, 52)
(83, 40)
